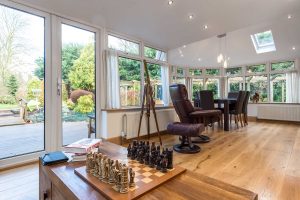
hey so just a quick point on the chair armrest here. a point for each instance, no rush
(198, 108)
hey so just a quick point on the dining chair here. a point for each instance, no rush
(245, 107)
(238, 111)
(207, 103)
(233, 95)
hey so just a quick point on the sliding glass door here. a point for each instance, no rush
(77, 81)
(22, 82)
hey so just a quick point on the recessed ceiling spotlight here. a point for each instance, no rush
(205, 27)
(199, 59)
(191, 17)
(181, 55)
(170, 2)
(290, 16)
(294, 48)
(184, 46)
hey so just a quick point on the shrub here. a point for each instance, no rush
(7, 99)
(76, 94)
(33, 105)
(12, 85)
(70, 104)
(85, 104)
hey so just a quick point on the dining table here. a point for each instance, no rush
(226, 102)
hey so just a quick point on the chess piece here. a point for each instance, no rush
(170, 158)
(131, 178)
(103, 160)
(106, 172)
(92, 164)
(96, 167)
(124, 179)
(141, 155)
(129, 148)
(111, 179)
(100, 156)
(164, 164)
(147, 157)
(118, 180)
(88, 162)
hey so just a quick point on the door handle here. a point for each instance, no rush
(58, 86)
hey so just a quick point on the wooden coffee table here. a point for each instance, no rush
(60, 182)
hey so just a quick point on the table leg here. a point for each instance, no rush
(226, 116)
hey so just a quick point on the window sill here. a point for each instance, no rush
(136, 109)
(273, 103)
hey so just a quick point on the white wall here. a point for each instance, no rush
(112, 122)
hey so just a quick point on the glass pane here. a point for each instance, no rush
(235, 84)
(78, 83)
(214, 85)
(22, 66)
(155, 54)
(179, 80)
(155, 78)
(234, 71)
(123, 45)
(264, 38)
(258, 85)
(180, 71)
(195, 72)
(197, 86)
(283, 66)
(130, 81)
(278, 87)
(213, 72)
(256, 68)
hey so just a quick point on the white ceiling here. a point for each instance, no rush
(167, 26)
(240, 49)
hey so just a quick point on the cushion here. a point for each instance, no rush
(184, 129)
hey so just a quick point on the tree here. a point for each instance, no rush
(40, 70)
(12, 85)
(11, 26)
(70, 53)
(82, 76)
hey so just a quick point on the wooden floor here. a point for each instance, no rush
(263, 157)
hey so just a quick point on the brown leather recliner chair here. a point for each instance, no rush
(186, 112)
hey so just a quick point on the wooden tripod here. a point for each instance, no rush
(150, 104)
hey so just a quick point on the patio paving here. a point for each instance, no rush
(22, 139)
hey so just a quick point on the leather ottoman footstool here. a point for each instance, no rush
(186, 131)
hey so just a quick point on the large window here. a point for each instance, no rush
(155, 79)
(155, 54)
(235, 84)
(234, 71)
(22, 82)
(258, 85)
(130, 81)
(197, 86)
(278, 87)
(281, 66)
(214, 72)
(256, 68)
(123, 45)
(195, 72)
(213, 84)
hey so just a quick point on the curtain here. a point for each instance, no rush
(112, 80)
(165, 85)
(292, 87)
(189, 87)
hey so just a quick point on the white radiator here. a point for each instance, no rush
(279, 112)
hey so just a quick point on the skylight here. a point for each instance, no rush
(263, 42)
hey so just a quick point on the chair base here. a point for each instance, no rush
(186, 148)
(201, 139)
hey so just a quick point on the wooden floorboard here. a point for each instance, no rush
(262, 157)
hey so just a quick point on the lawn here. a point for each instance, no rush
(8, 106)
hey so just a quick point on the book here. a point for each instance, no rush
(76, 157)
(82, 146)
(54, 158)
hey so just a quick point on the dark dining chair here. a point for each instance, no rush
(207, 103)
(232, 95)
(245, 107)
(238, 110)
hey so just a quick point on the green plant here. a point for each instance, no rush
(7, 99)
(34, 88)
(70, 104)
(33, 105)
(85, 104)
(12, 85)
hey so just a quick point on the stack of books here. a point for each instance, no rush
(77, 151)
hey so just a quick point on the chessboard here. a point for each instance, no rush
(146, 179)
